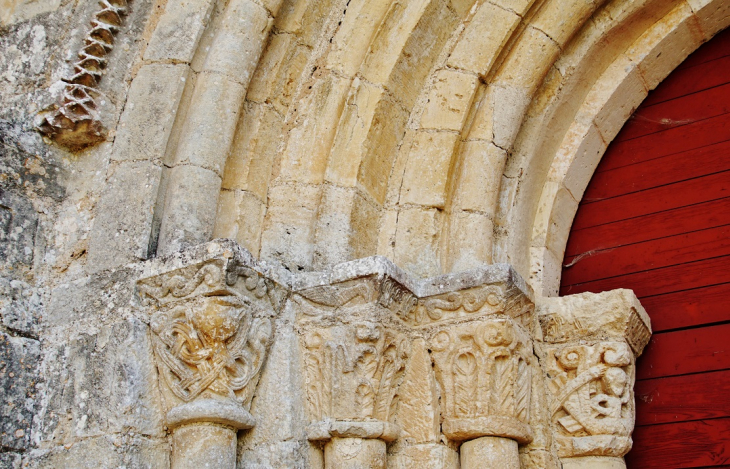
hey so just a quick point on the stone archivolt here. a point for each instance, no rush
(361, 326)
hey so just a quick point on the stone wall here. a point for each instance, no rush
(443, 135)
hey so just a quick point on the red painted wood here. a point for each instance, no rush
(678, 112)
(656, 218)
(698, 274)
(691, 80)
(683, 398)
(663, 252)
(687, 308)
(686, 351)
(694, 191)
(687, 137)
(635, 230)
(659, 172)
(681, 445)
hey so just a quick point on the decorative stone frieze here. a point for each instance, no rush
(592, 344)
(393, 372)
(74, 122)
(212, 321)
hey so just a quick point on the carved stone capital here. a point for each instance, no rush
(354, 351)
(211, 319)
(590, 365)
(484, 370)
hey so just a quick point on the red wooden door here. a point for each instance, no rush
(656, 218)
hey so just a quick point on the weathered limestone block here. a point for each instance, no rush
(20, 306)
(18, 225)
(98, 379)
(594, 340)
(212, 322)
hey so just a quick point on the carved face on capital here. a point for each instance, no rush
(615, 381)
(218, 319)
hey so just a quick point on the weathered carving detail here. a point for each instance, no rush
(354, 359)
(397, 298)
(211, 333)
(74, 122)
(185, 282)
(592, 395)
(637, 333)
(458, 304)
(213, 344)
(484, 372)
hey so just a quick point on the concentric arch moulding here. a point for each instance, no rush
(460, 370)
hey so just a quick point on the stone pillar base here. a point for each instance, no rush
(593, 462)
(203, 445)
(490, 452)
(355, 453)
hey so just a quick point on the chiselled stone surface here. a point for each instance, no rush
(445, 135)
(19, 359)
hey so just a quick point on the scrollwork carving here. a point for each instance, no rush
(457, 304)
(213, 345)
(593, 405)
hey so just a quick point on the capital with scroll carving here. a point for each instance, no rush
(211, 320)
(480, 337)
(593, 341)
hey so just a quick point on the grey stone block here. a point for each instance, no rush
(19, 359)
(101, 382)
(20, 306)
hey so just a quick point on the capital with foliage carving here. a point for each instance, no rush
(354, 350)
(479, 335)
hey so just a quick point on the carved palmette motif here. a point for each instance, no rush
(592, 398)
(484, 370)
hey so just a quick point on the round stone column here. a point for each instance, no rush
(490, 452)
(355, 453)
(204, 433)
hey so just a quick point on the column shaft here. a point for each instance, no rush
(490, 452)
(355, 453)
(199, 446)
